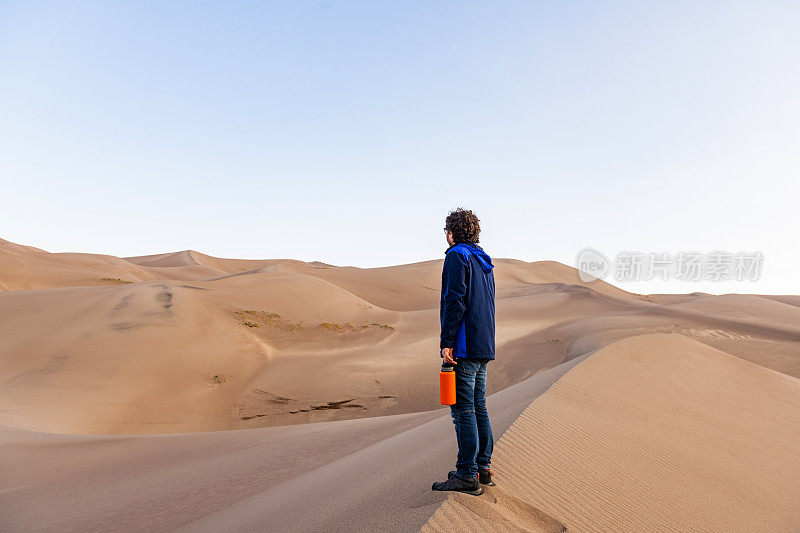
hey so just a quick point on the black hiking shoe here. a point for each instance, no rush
(484, 476)
(457, 484)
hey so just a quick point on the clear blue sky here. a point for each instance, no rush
(345, 131)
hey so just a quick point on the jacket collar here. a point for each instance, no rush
(472, 244)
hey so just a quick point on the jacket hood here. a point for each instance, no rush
(475, 250)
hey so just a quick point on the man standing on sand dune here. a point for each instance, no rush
(467, 341)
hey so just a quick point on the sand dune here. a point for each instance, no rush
(26, 267)
(256, 343)
(652, 433)
(245, 343)
(328, 377)
(357, 475)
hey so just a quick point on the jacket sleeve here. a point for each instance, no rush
(454, 290)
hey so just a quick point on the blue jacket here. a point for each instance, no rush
(466, 310)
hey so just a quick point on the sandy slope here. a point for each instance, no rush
(356, 475)
(178, 345)
(224, 343)
(652, 433)
(199, 343)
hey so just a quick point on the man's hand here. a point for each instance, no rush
(447, 353)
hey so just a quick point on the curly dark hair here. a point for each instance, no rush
(464, 224)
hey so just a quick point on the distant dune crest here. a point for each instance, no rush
(178, 341)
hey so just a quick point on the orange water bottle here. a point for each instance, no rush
(447, 385)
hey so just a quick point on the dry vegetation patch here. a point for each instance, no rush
(253, 318)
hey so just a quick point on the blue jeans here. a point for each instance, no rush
(473, 431)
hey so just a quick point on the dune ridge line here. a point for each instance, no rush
(652, 433)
